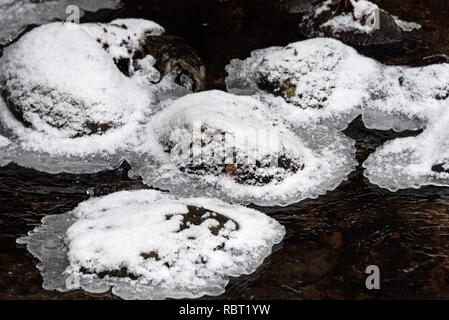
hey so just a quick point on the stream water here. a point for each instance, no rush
(330, 240)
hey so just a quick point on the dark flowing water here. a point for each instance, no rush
(330, 240)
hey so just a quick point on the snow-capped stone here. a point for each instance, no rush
(150, 245)
(232, 147)
(59, 80)
(306, 81)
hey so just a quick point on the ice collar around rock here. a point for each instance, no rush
(233, 147)
(150, 245)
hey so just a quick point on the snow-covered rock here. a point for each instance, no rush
(308, 81)
(233, 147)
(69, 103)
(364, 25)
(150, 245)
(326, 82)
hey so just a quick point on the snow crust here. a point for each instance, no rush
(242, 138)
(145, 235)
(16, 15)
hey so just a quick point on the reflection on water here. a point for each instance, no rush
(330, 240)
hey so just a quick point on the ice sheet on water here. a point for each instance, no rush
(245, 153)
(81, 112)
(150, 245)
(317, 80)
(16, 15)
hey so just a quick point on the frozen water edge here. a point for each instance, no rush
(388, 97)
(66, 243)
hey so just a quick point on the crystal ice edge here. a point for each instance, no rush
(47, 243)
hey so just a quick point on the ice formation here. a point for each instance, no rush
(326, 82)
(234, 148)
(79, 108)
(317, 80)
(150, 245)
(404, 98)
(16, 15)
(411, 98)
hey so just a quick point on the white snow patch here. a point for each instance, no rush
(143, 234)
(323, 157)
(332, 84)
(16, 15)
